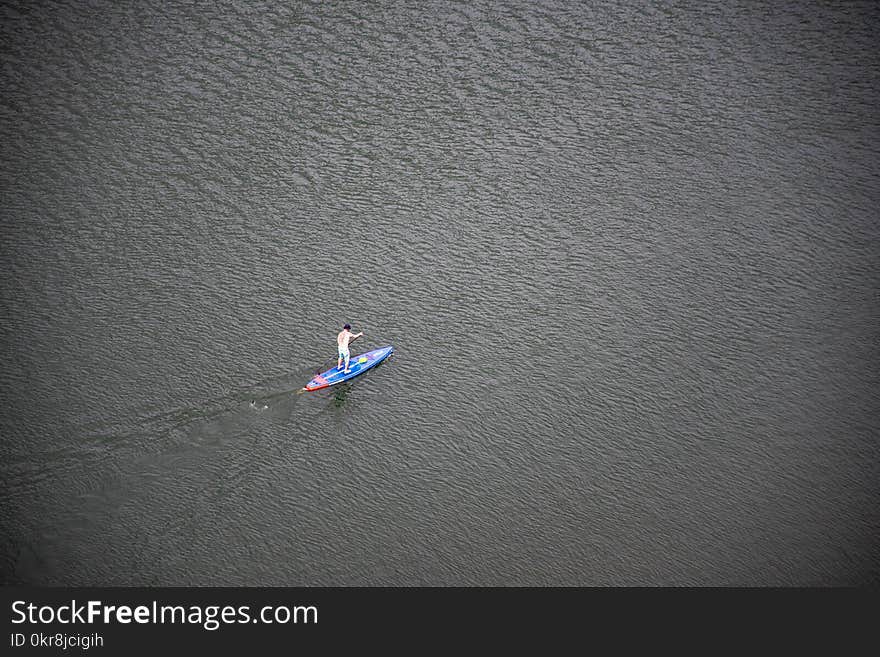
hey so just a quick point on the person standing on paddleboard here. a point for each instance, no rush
(345, 336)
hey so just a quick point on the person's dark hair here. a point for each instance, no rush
(347, 327)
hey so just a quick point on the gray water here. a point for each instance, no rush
(627, 255)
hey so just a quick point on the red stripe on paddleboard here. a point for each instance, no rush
(317, 383)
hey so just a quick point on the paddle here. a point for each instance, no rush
(327, 362)
(359, 360)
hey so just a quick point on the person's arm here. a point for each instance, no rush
(357, 336)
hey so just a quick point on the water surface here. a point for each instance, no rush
(627, 256)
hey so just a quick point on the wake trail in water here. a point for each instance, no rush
(158, 430)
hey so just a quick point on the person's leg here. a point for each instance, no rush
(346, 370)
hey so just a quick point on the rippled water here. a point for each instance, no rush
(627, 256)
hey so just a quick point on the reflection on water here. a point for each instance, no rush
(340, 394)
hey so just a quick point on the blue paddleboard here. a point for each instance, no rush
(357, 365)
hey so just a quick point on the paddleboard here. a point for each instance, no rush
(357, 364)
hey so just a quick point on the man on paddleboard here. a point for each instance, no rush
(345, 336)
